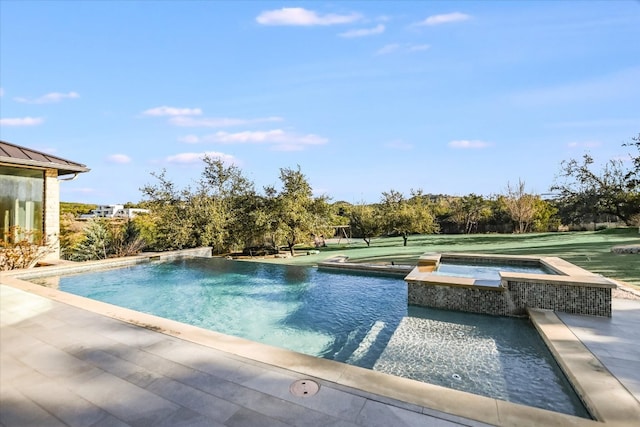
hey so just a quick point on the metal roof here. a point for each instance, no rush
(20, 156)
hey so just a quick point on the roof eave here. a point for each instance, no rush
(61, 168)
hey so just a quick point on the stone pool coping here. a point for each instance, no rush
(603, 394)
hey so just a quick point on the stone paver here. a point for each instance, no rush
(64, 366)
(614, 341)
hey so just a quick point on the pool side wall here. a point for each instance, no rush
(572, 290)
(514, 299)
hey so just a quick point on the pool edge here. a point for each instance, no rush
(604, 396)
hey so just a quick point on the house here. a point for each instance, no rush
(113, 211)
(30, 192)
(130, 212)
(103, 211)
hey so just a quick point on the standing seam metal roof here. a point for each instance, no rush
(16, 155)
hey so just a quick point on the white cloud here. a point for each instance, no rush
(465, 143)
(49, 98)
(395, 47)
(217, 122)
(584, 144)
(22, 121)
(387, 49)
(445, 18)
(298, 16)
(278, 139)
(363, 32)
(172, 111)
(119, 158)
(189, 158)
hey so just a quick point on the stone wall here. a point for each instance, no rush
(514, 298)
(51, 226)
(460, 298)
(575, 299)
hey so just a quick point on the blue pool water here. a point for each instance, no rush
(485, 273)
(353, 318)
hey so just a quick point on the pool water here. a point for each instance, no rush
(485, 272)
(348, 317)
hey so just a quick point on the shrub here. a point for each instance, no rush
(23, 249)
(107, 238)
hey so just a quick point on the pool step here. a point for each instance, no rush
(366, 343)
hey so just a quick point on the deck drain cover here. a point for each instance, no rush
(303, 388)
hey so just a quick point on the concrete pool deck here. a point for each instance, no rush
(67, 360)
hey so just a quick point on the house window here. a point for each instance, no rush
(21, 196)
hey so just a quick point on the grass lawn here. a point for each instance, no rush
(587, 249)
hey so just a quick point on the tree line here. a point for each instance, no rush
(224, 210)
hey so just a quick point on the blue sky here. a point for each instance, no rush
(447, 97)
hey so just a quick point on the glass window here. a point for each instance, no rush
(21, 196)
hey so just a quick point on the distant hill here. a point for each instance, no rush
(76, 208)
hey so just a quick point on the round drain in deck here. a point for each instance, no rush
(303, 388)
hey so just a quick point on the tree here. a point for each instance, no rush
(232, 203)
(633, 175)
(403, 217)
(546, 216)
(220, 212)
(364, 221)
(613, 190)
(169, 213)
(468, 211)
(521, 206)
(295, 213)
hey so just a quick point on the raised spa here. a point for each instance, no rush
(507, 285)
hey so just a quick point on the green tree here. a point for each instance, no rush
(221, 212)
(612, 190)
(468, 211)
(230, 202)
(546, 216)
(295, 214)
(404, 217)
(364, 221)
(170, 212)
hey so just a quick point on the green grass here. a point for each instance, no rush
(587, 249)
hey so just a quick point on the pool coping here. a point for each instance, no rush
(601, 392)
(581, 367)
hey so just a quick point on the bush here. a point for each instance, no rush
(107, 238)
(23, 249)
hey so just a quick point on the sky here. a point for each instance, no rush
(365, 96)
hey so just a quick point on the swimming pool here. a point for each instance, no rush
(352, 318)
